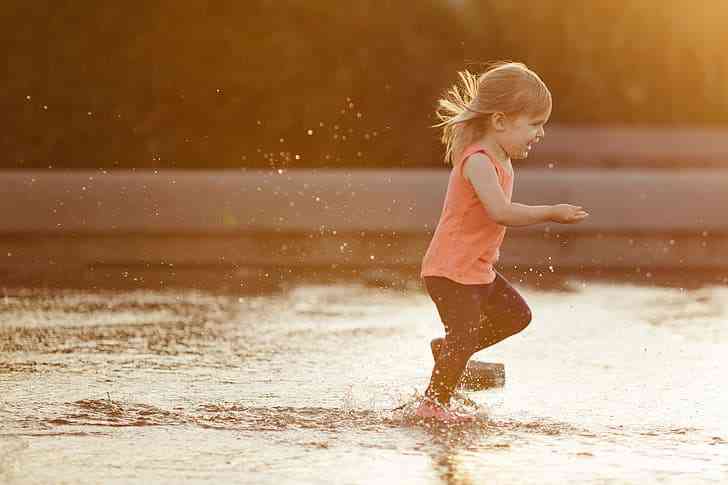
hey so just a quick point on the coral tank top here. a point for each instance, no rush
(467, 240)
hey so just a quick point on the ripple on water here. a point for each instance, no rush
(175, 354)
(237, 416)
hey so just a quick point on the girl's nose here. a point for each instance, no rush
(541, 133)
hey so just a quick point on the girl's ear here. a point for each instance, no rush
(498, 120)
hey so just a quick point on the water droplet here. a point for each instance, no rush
(280, 171)
(371, 256)
(45, 107)
(309, 132)
(281, 140)
(298, 157)
(89, 113)
(359, 115)
(551, 165)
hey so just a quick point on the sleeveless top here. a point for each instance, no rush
(467, 240)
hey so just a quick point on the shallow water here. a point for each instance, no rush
(611, 383)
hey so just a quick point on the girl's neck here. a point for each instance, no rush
(495, 149)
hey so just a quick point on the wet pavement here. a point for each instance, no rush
(611, 383)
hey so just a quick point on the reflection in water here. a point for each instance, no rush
(612, 382)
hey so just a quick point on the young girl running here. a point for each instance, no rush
(488, 121)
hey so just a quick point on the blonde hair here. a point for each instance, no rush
(464, 111)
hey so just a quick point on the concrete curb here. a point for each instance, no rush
(155, 224)
(338, 201)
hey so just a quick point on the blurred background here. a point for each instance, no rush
(213, 213)
(143, 138)
(203, 84)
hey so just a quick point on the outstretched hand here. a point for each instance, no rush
(568, 214)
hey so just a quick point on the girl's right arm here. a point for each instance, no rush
(484, 178)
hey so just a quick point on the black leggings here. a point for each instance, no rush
(475, 317)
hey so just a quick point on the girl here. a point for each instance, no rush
(488, 121)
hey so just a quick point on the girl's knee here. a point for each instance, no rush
(519, 320)
(525, 318)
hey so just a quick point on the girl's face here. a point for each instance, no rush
(518, 133)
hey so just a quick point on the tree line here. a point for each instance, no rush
(262, 83)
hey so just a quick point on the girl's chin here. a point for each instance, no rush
(519, 153)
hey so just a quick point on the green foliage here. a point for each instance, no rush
(256, 83)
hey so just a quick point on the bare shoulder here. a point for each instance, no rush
(482, 175)
(478, 167)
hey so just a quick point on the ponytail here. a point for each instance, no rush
(464, 112)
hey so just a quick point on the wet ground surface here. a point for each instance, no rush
(611, 383)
